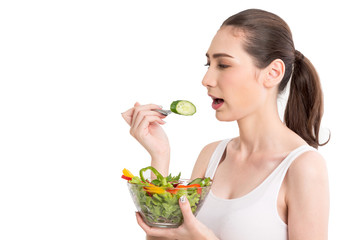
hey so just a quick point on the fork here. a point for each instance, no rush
(163, 112)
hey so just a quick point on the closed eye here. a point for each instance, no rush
(223, 66)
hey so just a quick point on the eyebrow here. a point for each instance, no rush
(217, 55)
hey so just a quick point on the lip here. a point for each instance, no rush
(214, 105)
(213, 97)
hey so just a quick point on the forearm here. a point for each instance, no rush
(156, 238)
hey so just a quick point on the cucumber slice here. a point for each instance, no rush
(183, 107)
(196, 181)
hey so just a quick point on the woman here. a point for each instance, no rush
(269, 182)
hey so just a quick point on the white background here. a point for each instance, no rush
(69, 68)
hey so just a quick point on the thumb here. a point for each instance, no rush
(186, 209)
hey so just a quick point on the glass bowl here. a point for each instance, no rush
(159, 206)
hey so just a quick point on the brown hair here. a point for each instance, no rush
(268, 37)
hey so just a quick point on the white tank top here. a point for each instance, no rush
(253, 216)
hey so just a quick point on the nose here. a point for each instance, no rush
(209, 79)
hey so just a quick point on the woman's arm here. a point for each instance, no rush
(202, 162)
(145, 128)
(198, 172)
(307, 197)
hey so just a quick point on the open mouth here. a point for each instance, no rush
(217, 102)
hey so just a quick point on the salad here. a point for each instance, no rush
(157, 200)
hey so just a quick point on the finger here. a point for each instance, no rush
(139, 108)
(146, 114)
(142, 129)
(127, 115)
(141, 222)
(186, 209)
(152, 231)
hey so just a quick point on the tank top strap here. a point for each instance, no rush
(279, 174)
(216, 157)
(291, 157)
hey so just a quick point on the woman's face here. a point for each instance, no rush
(233, 81)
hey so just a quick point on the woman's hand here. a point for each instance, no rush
(145, 128)
(190, 229)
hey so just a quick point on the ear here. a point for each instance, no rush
(274, 73)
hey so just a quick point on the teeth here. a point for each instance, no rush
(217, 100)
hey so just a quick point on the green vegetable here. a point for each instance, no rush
(158, 200)
(183, 107)
(158, 175)
(196, 181)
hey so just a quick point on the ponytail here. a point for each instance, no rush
(304, 108)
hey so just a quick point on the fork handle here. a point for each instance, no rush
(163, 112)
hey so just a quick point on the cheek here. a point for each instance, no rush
(245, 95)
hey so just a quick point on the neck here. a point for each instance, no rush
(260, 130)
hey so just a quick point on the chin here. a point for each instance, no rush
(224, 118)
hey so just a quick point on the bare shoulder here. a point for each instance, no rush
(309, 165)
(307, 197)
(203, 160)
(307, 190)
